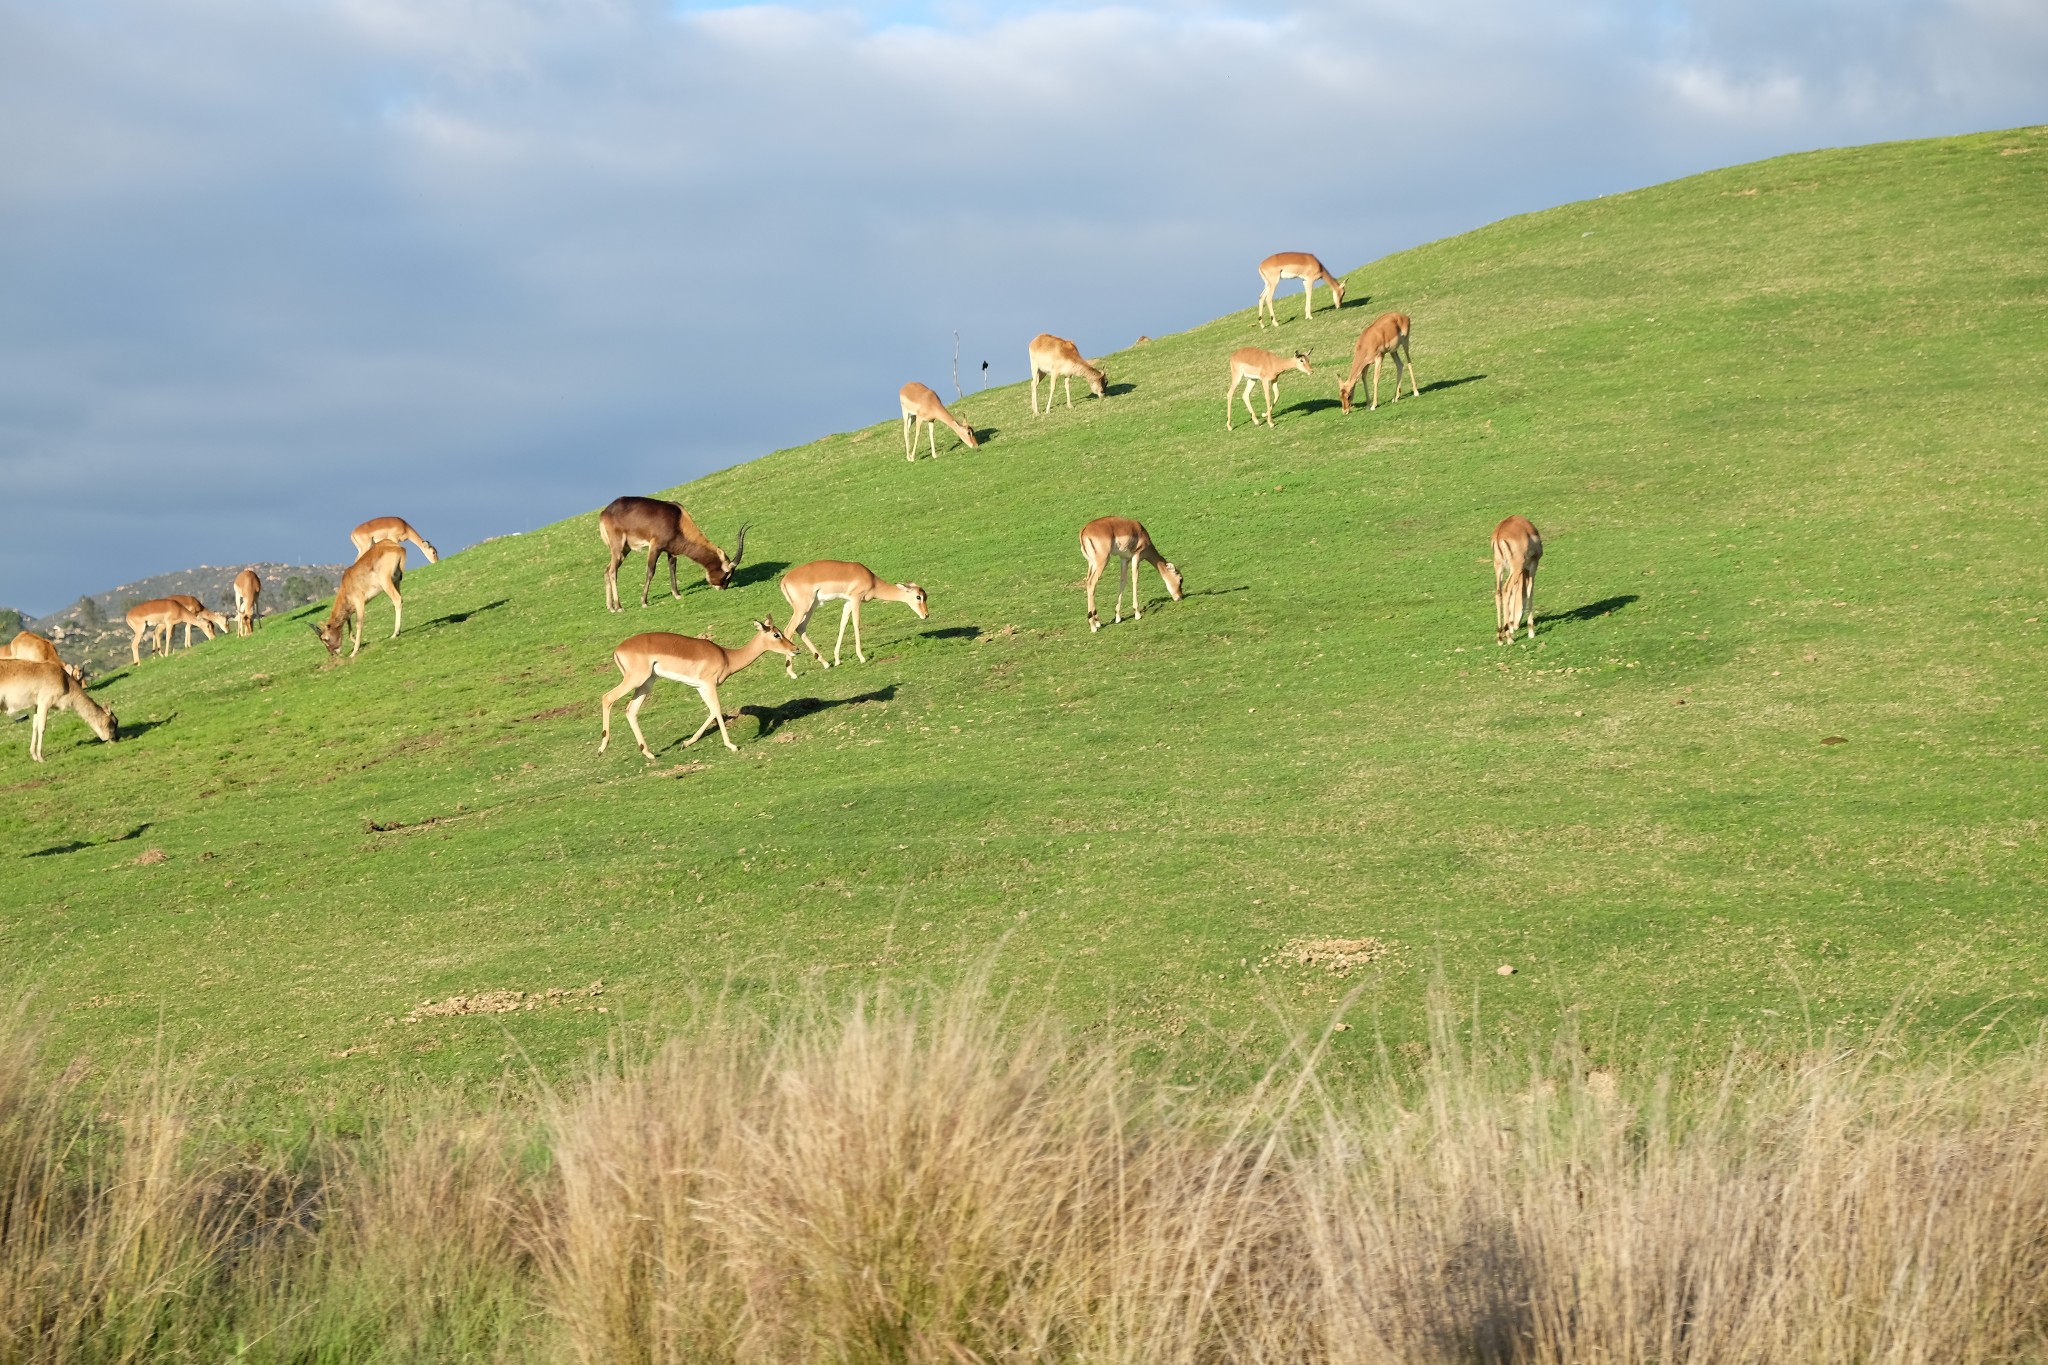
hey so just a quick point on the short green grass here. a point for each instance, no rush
(1782, 429)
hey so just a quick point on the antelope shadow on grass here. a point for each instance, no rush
(749, 574)
(456, 618)
(1592, 611)
(952, 633)
(135, 729)
(76, 845)
(773, 718)
(1451, 383)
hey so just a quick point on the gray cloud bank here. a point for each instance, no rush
(269, 269)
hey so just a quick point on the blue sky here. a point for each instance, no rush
(267, 269)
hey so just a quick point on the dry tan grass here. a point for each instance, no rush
(921, 1180)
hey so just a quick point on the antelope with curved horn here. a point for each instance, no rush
(381, 568)
(838, 580)
(1295, 265)
(393, 529)
(32, 648)
(1251, 366)
(693, 660)
(660, 528)
(1057, 358)
(1128, 542)
(1387, 337)
(45, 687)
(248, 588)
(1517, 550)
(922, 407)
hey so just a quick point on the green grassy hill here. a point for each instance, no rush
(1781, 427)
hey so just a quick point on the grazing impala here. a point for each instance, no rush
(1517, 550)
(838, 580)
(30, 647)
(1295, 265)
(700, 663)
(381, 568)
(198, 614)
(922, 406)
(159, 616)
(248, 588)
(1253, 366)
(394, 529)
(660, 528)
(1388, 336)
(1057, 358)
(1122, 539)
(45, 687)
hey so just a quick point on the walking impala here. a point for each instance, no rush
(45, 687)
(839, 580)
(660, 528)
(30, 647)
(1388, 336)
(1127, 541)
(1057, 358)
(393, 529)
(922, 406)
(380, 568)
(1295, 265)
(198, 614)
(701, 663)
(1253, 366)
(1517, 550)
(248, 588)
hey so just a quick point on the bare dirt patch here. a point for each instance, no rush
(1337, 956)
(507, 1002)
(151, 857)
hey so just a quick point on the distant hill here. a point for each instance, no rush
(92, 633)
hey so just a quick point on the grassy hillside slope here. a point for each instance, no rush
(1781, 426)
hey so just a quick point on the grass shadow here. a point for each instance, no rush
(1592, 611)
(952, 633)
(1452, 383)
(77, 845)
(1309, 405)
(1118, 390)
(456, 618)
(106, 679)
(773, 718)
(135, 729)
(1218, 592)
(759, 572)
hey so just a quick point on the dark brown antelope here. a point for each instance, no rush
(660, 528)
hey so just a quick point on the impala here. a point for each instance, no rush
(1120, 538)
(1253, 366)
(30, 647)
(392, 529)
(380, 568)
(1517, 550)
(159, 616)
(1388, 336)
(45, 687)
(701, 663)
(1295, 265)
(198, 614)
(838, 580)
(922, 407)
(248, 588)
(660, 528)
(1057, 358)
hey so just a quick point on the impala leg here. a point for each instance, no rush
(611, 697)
(1414, 388)
(611, 579)
(1095, 568)
(799, 627)
(1137, 613)
(1529, 599)
(653, 562)
(931, 430)
(853, 610)
(845, 615)
(1070, 394)
(711, 702)
(1308, 299)
(1250, 411)
(1229, 403)
(361, 612)
(1270, 386)
(673, 590)
(135, 646)
(1376, 382)
(397, 610)
(633, 715)
(909, 450)
(35, 733)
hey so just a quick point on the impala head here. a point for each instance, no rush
(329, 633)
(916, 600)
(1301, 362)
(1098, 383)
(103, 723)
(967, 435)
(1344, 393)
(1337, 290)
(778, 642)
(1172, 577)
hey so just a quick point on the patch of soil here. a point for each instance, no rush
(1337, 956)
(506, 1002)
